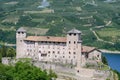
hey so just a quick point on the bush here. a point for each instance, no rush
(24, 71)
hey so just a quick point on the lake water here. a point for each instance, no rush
(113, 61)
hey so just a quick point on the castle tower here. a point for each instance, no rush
(20, 44)
(73, 37)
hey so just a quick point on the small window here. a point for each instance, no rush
(74, 52)
(82, 53)
(98, 56)
(70, 34)
(22, 32)
(48, 51)
(53, 51)
(74, 42)
(74, 34)
(69, 42)
(69, 52)
(63, 56)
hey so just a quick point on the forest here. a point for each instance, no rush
(25, 71)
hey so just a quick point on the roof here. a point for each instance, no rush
(21, 29)
(88, 49)
(74, 31)
(46, 38)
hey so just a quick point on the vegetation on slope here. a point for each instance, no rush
(24, 71)
(7, 52)
(61, 16)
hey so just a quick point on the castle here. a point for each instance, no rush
(67, 49)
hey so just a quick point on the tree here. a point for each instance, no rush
(3, 51)
(24, 71)
(0, 56)
(11, 52)
(104, 60)
(117, 45)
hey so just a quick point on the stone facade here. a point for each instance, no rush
(49, 48)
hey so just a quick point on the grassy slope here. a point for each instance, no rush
(63, 15)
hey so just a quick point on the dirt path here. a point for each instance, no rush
(98, 38)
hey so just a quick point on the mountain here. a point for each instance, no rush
(98, 20)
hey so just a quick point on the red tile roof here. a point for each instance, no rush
(87, 49)
(46, 38)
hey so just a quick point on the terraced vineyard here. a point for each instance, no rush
(62, 15)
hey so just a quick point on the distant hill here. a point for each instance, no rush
(59, 16)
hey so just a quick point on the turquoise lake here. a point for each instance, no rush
(113, 60)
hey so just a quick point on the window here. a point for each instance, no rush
(63, 56)
(98, 56)
(69, 52)
(74, 34)
(53, 51)
(74, 42)
(70, 34)
(43, 55)
(22, 32)
(18, 32)
(48, 51)
(74, 52)
(69, 56)
(58, 52)
(69, 42)
(82, 53)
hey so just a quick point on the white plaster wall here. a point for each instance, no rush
(62, 52)
(95, 54)
(20, 49)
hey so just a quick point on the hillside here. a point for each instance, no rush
(55, 17)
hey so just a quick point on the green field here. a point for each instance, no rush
(109, 34)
